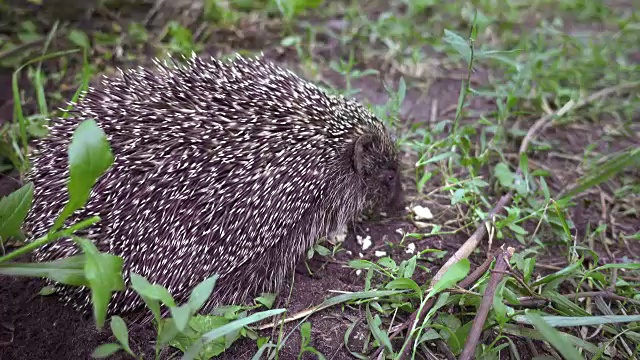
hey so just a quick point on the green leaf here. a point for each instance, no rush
(628, 266)
(119, 329)
(558, 274)
(155, 292)
(47, 290)
(323, 251)
(181, 315)
(305, 333)
(439, 157)
(545, 190)
(267, 299)
(69, 270)
(504, 175)
(14, 209)
(411, 267)
(89, 158)
(517, 229)
(105, 350)
(606, 171)
(200, 294)
(457, 340)
(499, 308)
(168, 332)
(458, 43)
(554, 337)
(574, 321)
(455, 273)
(104, 273)
(198, 326)
(194, 350)
(79, 38)
(404, 283)
(521, 331)
(380, 335)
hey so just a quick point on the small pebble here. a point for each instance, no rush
(358, 272)
(380, 253)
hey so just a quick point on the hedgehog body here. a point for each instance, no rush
(232, 168)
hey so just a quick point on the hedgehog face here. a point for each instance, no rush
(376, 162)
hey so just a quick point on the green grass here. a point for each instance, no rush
(548, 69)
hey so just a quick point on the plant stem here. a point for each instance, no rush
(49, 238)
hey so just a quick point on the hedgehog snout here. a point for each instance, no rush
(392, 194)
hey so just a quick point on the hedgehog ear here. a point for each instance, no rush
(360, 150)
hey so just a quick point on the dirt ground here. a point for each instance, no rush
(39, 327)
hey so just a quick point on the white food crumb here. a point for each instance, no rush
(422, 213)
(358, 272)
(411, 248)
(380, 253)
(364, 242)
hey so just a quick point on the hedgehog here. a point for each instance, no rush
(230, 167)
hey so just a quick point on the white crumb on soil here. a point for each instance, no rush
(411, 248)
(422, 213)
(364, 242)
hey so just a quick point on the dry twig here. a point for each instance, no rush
(502, 262)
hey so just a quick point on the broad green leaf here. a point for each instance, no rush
(267, 300)
(458, 43)
(455, 273)
(105, 350)
(181, 315)
(168, 332)
(459, 337)
(404, 283)
(504, 175)
(156, 292)
(358, 296)
(14, 209)
(200, 325)
(201, 292)
(89, 158)
(79, 38)
(499, 308)
(380, 335)
(104, 273)
(194, 350)
(558, 274)
(119, 329)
